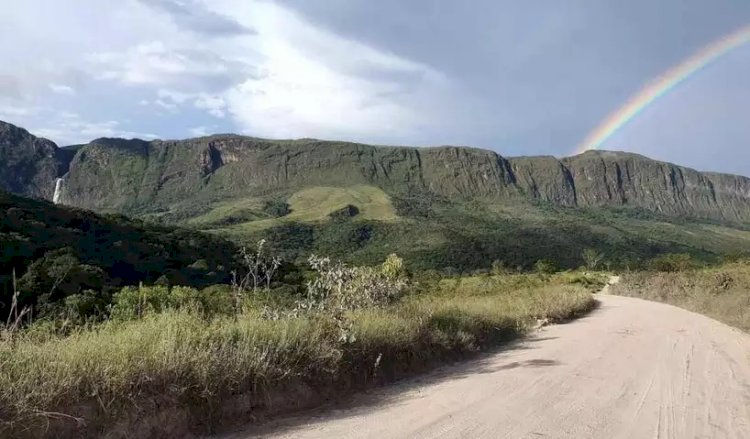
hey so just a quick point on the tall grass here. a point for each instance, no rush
(721, 292)
(180, 361)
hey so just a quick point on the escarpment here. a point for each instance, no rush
(117, 175)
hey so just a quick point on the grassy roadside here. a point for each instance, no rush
(176, 373)
(721, 292)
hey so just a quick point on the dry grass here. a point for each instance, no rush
(722, 292)
(178, 360)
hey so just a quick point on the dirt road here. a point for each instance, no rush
(631, 369)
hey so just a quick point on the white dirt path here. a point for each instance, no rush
(630, 369)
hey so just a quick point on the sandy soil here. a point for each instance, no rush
(631, 369)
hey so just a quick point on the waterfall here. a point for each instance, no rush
(58, 190)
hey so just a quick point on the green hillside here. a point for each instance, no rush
(458, 236)
(310, 205)
(58, 252)
(180, 180)
(445, 208)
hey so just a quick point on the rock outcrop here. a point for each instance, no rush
(29, 165)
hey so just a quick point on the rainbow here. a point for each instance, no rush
(662, 85)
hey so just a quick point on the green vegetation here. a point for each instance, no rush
(454, 236)
(63, 254)
(175, 360)
(453, 209)
(310, 205)
(672, 262)
(721, 291)
(136, 322)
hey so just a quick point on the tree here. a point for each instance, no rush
(50, 275)
(592, 258)
(59, 270)
(257, 267)
(338, 288)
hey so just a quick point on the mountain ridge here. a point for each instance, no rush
(134, 175)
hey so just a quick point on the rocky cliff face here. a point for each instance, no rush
(134, 176)
(161, 173)
(29, 165)
(605, 178)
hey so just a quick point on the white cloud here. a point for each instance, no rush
(145, 63)
(175, 96)
(69, 115)
(177, 65)
(288, 78)
(171, 100)
(265, 70)
(200, 131)
(169, 106)
(315, 83)
(215, 105)
(69, 128)
(191, 15)
(13, 110)
(62, 89)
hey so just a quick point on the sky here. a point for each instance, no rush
(520, 78)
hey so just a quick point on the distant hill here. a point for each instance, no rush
(442, 207)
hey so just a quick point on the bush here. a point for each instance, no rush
(178, 363)
(346, 212)
(338, 287)
(499, 268)
(593, 280)
(592, 258)
(545, 266)
(673, 262)
(393, 267)
(58, 274)
(721, 292)
(277, 208)
(86, 306)
(136, 302)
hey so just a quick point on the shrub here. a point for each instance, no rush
(673, 262)
(499, 268)
(346, 212)
(721, 292)
(592, 258)
(393, 267)
(137, 302)
(57, 274)
(277, 208)
(200, 264)
(545, 266)
(176, 362)
(86, 306)
(339, 287)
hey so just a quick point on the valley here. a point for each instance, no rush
(321, 219)
(221, 279)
